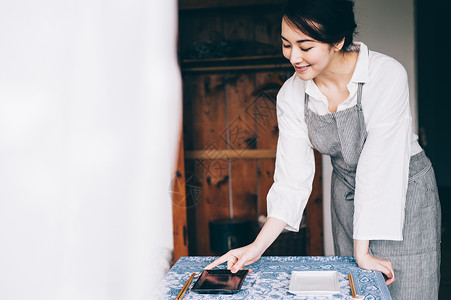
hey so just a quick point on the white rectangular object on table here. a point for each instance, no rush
(314, 283)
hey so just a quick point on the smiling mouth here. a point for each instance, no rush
(301, 68)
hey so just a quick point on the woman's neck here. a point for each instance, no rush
(339, 71)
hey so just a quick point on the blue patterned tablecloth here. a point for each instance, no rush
(270, 278)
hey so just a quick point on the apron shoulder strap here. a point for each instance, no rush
(359, 95)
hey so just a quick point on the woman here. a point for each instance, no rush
(352, 104)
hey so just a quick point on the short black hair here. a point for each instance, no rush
(327, 21)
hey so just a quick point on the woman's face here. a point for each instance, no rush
(309, 57)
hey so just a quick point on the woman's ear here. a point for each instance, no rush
(338, 46)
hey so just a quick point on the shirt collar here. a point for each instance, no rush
(361, 73)
(312, 90)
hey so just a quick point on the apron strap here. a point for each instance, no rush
(359, 95)
(305, 104)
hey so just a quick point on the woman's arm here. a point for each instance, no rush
(293, 177)
(366, 261)
(238, 258)
(383, 168)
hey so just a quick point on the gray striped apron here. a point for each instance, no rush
(416, 259)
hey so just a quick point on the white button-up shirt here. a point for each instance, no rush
(383, 167)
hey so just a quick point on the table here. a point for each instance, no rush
(270, 278)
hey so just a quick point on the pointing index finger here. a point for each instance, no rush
(217, 262)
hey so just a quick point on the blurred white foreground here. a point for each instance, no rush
(89, 117)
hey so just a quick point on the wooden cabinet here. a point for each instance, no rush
(232, 69)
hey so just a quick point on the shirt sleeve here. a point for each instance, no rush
(295, 166)
(382, 172)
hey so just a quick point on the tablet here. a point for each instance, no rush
(219, 282)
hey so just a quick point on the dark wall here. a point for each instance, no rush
(433, 44)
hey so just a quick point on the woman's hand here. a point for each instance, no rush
(238, 258)
(377, 264)
(368, 262)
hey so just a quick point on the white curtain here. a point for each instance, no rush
(90, 107)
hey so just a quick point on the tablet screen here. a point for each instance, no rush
(219, 281)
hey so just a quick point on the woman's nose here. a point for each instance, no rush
(296, 56)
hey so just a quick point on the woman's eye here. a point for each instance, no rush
(286, 46)
(306, 49)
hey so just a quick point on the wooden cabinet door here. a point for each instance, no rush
(230, 125)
